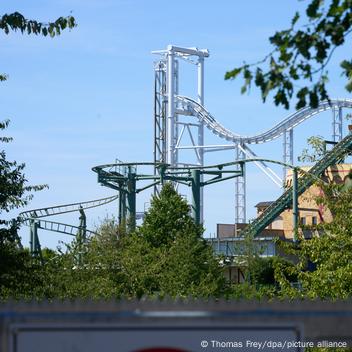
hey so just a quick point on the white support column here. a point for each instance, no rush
(287, 151)
(336, 124)
(170, 106)
(200, 97)
(240, 190)
(176, 118)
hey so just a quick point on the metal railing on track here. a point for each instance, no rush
(304, 182)
(194, 108)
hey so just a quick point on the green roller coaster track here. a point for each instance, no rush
(332, 157)
(34, 219)
(123, 177)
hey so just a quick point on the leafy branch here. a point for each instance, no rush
(298, 63)
(17, 22)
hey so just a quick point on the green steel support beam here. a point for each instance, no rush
(146, 187)
(120, 216)
(31, 235)
(82, 225)
(131, 200)
(81, 235)
(34, 239)
(219, 179)
(178, 179)
(222, 172)
(122, 204)
(196, 195)
(146, 177)
(162, 174)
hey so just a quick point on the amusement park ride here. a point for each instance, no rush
(177, 116)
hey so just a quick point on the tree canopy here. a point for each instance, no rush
(324, 267)
(17, 268)
(298, 64)
(17, 22)
(19, 273)
(167, 255)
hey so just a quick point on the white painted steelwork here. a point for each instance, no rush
(276, 131)
(336, 123)
(240, 188)
(175, 129)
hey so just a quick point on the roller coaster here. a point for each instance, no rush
(34, 219)
(176, 116)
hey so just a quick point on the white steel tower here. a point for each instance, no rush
(179, 123)
(169, 127)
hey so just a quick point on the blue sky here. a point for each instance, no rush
(86, 98)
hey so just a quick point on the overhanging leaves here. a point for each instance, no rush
(17, 22)
(297, 64)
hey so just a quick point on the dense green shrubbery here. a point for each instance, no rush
(171, 259)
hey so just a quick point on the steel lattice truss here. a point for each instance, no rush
(171, 130)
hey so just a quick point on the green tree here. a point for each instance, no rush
(19, 274)
(167, 255)
(89, 270)
(17, 22)
(316, 151)
(298, 63)
(262, 271)
(324, 267)
(17, 268)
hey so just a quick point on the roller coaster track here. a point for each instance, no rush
(29, 216)
(332, 157)
(57, 227)
(191, 107)
(66, 208)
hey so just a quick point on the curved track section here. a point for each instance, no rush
(66, 208)
(58, 227)
(332, 157)
(197, 110)
(27, 217)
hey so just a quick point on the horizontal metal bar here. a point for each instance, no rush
(226, 146)
(221, 172)
(177, 178)
(206, 183)
(146, 177)
(183, 112)
(146, 187)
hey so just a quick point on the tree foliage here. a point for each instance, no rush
(19, 273)
(86, 270)
(17, 22)
(167, 255)
(324, 267)
(297, 65)
(13, 190)
(17, 269)
(316, 150)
